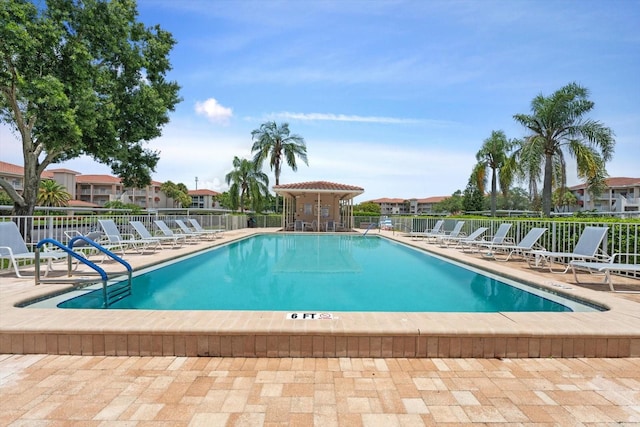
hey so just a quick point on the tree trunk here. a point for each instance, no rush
(29, 197)
(548, 182)
(493, 192)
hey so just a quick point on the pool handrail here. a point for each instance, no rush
(120, 292)
(373, 224)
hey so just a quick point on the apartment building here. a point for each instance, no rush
(390, 206)
(93, 190)
(204, 199)
(622, 195)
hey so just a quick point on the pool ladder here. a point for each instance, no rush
(373, 224)
(114, 288)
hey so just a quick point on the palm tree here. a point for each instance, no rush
(246, 181)
(277, 144)
(51, 193)
(557, 123)
(494, 155)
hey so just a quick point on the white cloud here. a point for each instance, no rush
(342, 118)
(214, 111)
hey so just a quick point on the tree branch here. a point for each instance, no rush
(15, 196)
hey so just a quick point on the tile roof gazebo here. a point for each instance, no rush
(317, 204)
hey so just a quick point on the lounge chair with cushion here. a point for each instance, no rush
(127, 240)
(523, 248)
(497, 239)
(461, 240)
(14, 248)
(609, 267)
(200, 229)
(433, 233)
(587, 249)
(145, 234)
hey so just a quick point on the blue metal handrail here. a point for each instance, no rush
(118, 293)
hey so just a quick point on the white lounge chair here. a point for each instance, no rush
(434, 232)
(607, 268)
(497, 239)
(457, 230)
(461, 240)
(127, 240)
(189, 232)
(523, 248)
(14, 248)
(145, 234)
(386, 224)
(587, 249)
(97, 236)
(200, 229)
(164, 228)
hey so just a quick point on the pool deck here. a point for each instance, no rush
(612, 334)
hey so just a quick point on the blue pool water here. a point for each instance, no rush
(322, 273)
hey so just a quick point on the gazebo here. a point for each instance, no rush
(317, 205)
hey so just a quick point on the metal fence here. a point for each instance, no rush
(561, 236)
(623, 237)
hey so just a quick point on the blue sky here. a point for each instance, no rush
(392, 96)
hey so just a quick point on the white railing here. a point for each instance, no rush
(623, 237)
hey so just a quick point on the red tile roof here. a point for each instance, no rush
(612, 182)
(103, 179)
(82, 204)
(203, 192)
(387, 200)
(318, 185)
(434, 199)
(63, 170)
(11, 169)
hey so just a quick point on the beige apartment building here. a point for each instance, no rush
(408, 206)
(97, 190)
(622, 195)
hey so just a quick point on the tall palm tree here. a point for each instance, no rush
(557, 123)
(51, 193)
(494, 155)
(247, 181)
(277, 144)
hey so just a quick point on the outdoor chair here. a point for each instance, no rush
(80, 246)
(434, 232)
(457, 229)
(145, 234)
(189, 232)
(587, 249)
(523, 248)
(128, 241)
(497, 239)
(164, 228)
(200, 229)
(460, 240)
(14, 249)
(609, 267)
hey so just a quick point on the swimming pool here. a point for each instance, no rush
(324, 273)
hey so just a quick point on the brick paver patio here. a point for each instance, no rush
(58, 390)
